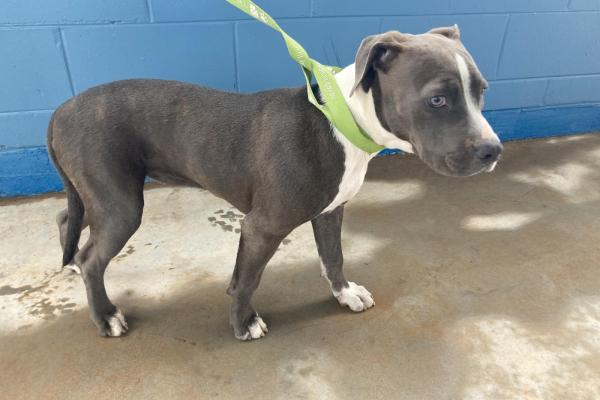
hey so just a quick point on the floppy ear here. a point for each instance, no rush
(375, 52)
(451, 32)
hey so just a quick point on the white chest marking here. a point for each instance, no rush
(356, 161)
(355, 168)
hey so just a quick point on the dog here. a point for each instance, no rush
(271, 154)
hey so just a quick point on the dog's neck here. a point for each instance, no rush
(362, 106)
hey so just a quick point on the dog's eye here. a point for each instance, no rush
(437, 101)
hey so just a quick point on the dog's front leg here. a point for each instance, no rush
(258, 243)
(328, 235)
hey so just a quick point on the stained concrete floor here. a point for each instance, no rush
(486, 288)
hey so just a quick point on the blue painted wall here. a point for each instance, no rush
(542, 57)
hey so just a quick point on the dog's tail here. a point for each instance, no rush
(75, 208)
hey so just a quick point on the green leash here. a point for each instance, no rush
(335, 108)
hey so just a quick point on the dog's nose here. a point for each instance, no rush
(489, 151)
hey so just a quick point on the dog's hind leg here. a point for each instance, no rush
(257, 245)
(327, 229)
(62, 221)
(115, 216)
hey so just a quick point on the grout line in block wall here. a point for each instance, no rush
(235, 57)
(63, 46)
(501, 52)
(150, 11)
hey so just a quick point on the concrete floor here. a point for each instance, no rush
(486, 288)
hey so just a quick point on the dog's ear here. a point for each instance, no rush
(375, 53)
(451, 32)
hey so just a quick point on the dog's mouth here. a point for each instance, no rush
(454, 164)
(460, 168)
(491, 167)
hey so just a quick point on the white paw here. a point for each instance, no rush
(74, 268)
(118, 325)
(356, 297)
(256, 330)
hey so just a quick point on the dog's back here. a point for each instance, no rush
(181, 133)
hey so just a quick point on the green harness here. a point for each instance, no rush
(335, 108)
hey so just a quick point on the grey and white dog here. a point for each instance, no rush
(271, 154)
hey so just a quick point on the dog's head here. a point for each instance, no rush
(426, 90)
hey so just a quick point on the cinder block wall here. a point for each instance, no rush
(542, 57)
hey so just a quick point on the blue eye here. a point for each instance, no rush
(437, 101)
